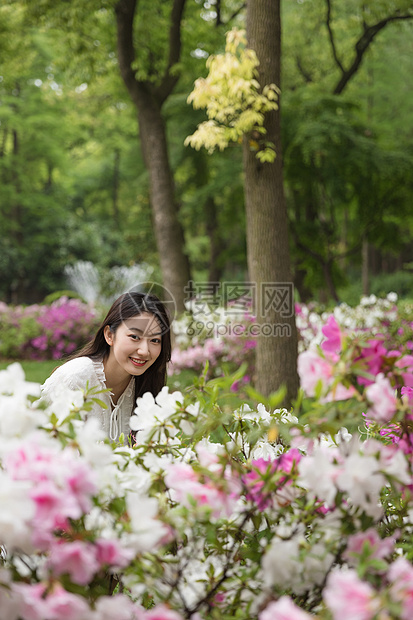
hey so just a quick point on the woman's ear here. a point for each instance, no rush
(107, 332)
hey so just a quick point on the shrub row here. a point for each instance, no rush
(43, 332)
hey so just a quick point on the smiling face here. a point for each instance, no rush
(134, 347)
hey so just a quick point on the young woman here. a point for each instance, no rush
(128, 355)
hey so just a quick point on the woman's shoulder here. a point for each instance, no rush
(75, 374)
(78, 364)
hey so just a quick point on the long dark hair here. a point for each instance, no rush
(125, 307)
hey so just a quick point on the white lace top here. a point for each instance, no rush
(80, 371)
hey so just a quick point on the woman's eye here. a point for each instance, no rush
(156, 341)
(134, 337)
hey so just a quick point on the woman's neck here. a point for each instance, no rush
(116, 380)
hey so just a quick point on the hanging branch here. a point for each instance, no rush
(361, 45)
(169, 79)
(331, 37)
(125, 12)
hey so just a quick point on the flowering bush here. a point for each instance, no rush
(249, 512)
(219, 337)
(374, 315)
(45, 331)
(223, 336)
(353, 362)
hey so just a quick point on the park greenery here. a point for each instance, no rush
(222, 338)
(198, 141)
(224, 507)
(76, 185)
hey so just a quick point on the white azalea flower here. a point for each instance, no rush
(342, 436)
(168, 402)
(280, 563)
(96, 519)
(17, 509)
(266, 450)
(151, 412)
(17, 417)
(396, 466)
(131, 476)
(316, 565)
(361, 479)
(241, 412)
(63, 400)
(157, 464)
(317, 474)
(12, 381)
(186, 426)
(285, 416)
(90, 437)
(147, 530)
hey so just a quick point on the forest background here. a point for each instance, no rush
(94, 114)
(74, 185)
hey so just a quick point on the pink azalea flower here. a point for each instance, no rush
(76, 559)
(53, 508)
(373, 357)
(162, 612)
(312, 369)
(82, 483)
(184, 483)
(400, 575)
(63, 486)
(33, 606)
(339, 392)
(331, 331)
(379, 548)
(407, 393)
(58, 604)
(206, 458)
(110, 553)
(63, 605)
(348, 597)
(254, 482)
(382, 399)
(53, 504)
(283, 609)
(405, 364)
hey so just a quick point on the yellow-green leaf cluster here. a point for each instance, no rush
(233, 99)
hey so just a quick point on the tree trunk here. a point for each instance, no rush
(148, 100)
(215, 269)
(365, 268)
(168, 230)
(115, 187)
(212, 230)
(267, 226)
(327, 266)
(18, 285)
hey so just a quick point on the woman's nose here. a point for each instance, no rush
(143, 346)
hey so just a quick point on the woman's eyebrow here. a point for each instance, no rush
(140, 331)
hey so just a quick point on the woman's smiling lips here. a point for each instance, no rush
(138, 362)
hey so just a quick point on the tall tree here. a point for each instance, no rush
(149, 97)
(267, 225)
(337, 50)
(32, 164)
